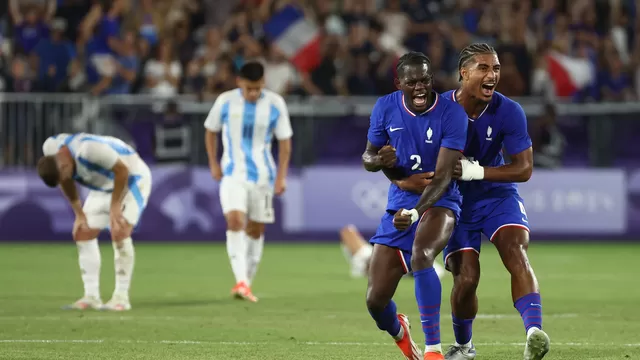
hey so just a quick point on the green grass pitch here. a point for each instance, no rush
(309, 307)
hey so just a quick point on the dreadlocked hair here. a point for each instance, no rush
(470, 51)
(412, 58)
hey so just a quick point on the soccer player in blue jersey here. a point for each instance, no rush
(413, 131)
(492, 205)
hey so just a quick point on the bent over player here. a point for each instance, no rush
(413, 130)
(492, 204)
(248, 118)
(120, 183)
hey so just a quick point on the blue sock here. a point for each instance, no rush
(530, 308)
(462, 329)
(387, 319)
(429, 295)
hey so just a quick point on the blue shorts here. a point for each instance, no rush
(486, 217)
(388, 235)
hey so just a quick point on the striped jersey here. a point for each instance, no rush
(95, 156)
(247, 132)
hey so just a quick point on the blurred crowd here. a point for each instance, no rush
(169, 47)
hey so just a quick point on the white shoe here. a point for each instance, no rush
(87, 302)
(537, 344)
(117, 303)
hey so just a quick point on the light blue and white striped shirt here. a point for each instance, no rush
(95, 157)
(247, 132)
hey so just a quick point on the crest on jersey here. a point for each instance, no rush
(489, 131)
(429, 135)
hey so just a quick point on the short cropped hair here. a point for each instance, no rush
(412, 58)
(467, 54)
(48, 171)
(252, 71)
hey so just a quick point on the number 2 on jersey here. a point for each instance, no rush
(418, 161)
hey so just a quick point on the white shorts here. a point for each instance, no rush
(254, 200)
(98, 203)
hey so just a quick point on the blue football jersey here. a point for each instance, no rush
(417, 139)
(501, 124)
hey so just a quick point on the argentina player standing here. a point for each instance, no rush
(248, 118)
(120, 183)
(492, 205)
(413, 132)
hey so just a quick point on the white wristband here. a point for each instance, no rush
(414, 214)
(471, 170)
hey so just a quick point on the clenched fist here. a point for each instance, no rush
(388, 156)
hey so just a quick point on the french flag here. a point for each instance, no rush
(296, 37)
(569, 74)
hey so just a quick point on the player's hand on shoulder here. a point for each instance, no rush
(388, 157)
(400, 221)
(416, 182)
(280, 186)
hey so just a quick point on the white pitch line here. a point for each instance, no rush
(91, 317)
(308, 343)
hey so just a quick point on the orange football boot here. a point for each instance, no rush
(407, 346)
(243, 291)
(433, 356)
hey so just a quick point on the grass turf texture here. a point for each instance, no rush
(309, 307)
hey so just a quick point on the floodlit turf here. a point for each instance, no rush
(309, 308)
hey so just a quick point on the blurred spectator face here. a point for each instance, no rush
(213, 37)
(18, 69)
(253, 50)
(548, 5)
(251, 90)
(615, 65)
(275, 56)
(165, 51)
(481, 75)
(393, 5)
(143, 47)
(58, 27)
(129, 40)
(362, 65)
(31, 16)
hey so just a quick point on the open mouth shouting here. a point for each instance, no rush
(420, 100)
(488, 88)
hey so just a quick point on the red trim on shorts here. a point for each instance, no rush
(405, 268)
(506, 226)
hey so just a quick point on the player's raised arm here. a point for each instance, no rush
(283, 133)
(517, 143)
(453, 141)
(213, 125)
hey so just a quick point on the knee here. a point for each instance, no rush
(235, 223)
(376, 301)
(467, 281)
(515, 258)
(85, 234)
(254, 230)
(422, 259)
